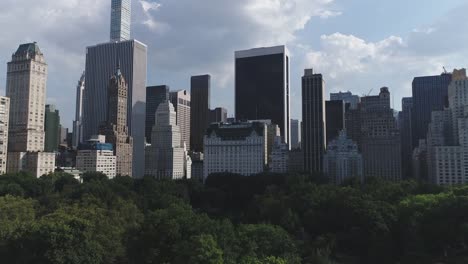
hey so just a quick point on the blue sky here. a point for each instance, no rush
(357, 44)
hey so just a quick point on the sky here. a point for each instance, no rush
(358, 45)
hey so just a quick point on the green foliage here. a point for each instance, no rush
(264, 219)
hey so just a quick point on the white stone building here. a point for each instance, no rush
(4, 121)
(26, 88)
(97, 156)
(236, 148)
(342, 160)
(166, 157)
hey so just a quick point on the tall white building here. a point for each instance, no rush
(236, 148)
(121, 16)
(97, 156)
(342, 160)
(165, 158)
(26, 88)
(181, 102)
(77, 123)
(4, 121)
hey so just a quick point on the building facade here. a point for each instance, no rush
(342, 160)
(77, 137)
(218, 115)
(166, 157)
(4, 125)
(262, 86)
(313, 121)
(96, 156)
(52, 128)
(155, 95)
(120, 20)
(239, 148)
(406, 136)
(200, 87)
(335, 119)
(181, 102)
(26, 88)
(279, 157)
(347, 97)
(296, 129)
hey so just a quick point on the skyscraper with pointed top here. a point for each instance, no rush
(115, 128)
(100, 65)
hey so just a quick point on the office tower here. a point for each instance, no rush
(4, 121)
(52, 128)
(262, 86)
(406, 136)
(197, 166)
(165, 158)
(447, 137)
(419, 162)
(296, 161)
(279, 156)
(313, 121)
(335, 119)
(120, 20)
(239, 148)
(429, 94)
(181, 102)
(96, 156)
(296, 134)
(342, 160)
(200, 87)
(26, 88)
(63, 135)
(77, 137)
(380, 137)
(115, 129)
(218, 115)
(347, 97)
(155, 95)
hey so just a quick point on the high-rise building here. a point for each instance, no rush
(181, 102)
(200, 87)
(218, 115)
(120, 20)
(155, 95)
(296, 129)
(77, 137)
(380, 137)
(4, 121)
(115, 129)
(335, 118)
(236, 148)
(63, 137)
(52, 128)
(313, 121)
(342, 160)
(26, 88)
(347, 97)
(279, 156)
(406, 136)
(262, 86)
(96, 156)
(165, 158)
(429, 94)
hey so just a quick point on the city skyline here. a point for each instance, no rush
(327, 32)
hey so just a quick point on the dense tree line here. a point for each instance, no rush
(231, 219)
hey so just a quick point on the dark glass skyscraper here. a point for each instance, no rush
(200, 110)
(262, 86)
(52, 128)
(313, 121)
(406, 136)
(430, 93)
(335, 118)
(155, 95)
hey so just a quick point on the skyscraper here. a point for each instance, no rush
(77, 123)
(181, 102)
(335, 119)
(4, 121)
(406, 136)
(218, 115)
(52, 128)
(347, 97)
(262, 86)
(120, 20)
(429, 94)
(115, 128)
(296, 129)
(200, 87)
(165, 158)
(26, 88)
(100, 64)
(155, 95)
(313, 120)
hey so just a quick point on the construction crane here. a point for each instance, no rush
(445, 71)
